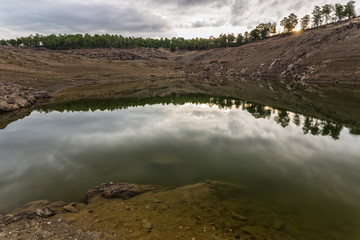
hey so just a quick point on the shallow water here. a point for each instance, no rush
(306, 168)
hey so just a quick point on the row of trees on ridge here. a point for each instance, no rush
(320, 15)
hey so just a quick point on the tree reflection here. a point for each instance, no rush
(297, 120)
(355, 131)
(309, 125)
(257, 110)
(282, 118)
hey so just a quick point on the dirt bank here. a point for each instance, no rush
(330, 54)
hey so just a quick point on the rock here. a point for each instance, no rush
(274, 62)
(238, 217)
(278, 225)
(164, 207)
(70, 208)
(118, 190)
(156, 200)
(146, 224)
(246, 237)
(45, 212)
(42, 94)
(291, 67)
(127, 207)
(13, 97)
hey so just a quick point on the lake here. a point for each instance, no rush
(285, 159)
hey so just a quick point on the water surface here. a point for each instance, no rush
(306, 167)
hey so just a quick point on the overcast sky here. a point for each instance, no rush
(146, 18)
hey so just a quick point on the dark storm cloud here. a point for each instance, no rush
(78, 17)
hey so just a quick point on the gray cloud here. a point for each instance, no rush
(250, 13)
(192, 3)
(147, 18)
(208, 23)
(79, 17)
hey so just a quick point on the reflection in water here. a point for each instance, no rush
(282, 117)
(312, 181)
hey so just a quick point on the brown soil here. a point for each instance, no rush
(330, 54)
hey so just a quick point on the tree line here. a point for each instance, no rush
(320, 15)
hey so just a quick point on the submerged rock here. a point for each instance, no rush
(118, 190)
(146, 224)
(238, 217)
(278, 225)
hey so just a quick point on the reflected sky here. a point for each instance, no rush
(59, 155)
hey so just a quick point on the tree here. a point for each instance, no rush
(339, 11)
(239, 39)
(173, 46)
(273, 28)
(326, 11)
(247, 37)
(223, 40)
(349, 9)
(317, 16)
(231, 40)
(255, 34)
(304, 22)
(12, 42)
(289, 23)
(3, 42)
(36, 40)
(264, 29)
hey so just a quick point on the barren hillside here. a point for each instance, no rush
(329, 54)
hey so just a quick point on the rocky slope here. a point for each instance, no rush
(329, 54)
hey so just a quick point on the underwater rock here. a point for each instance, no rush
(147, 225)
(278, 225)
(238, 217)
(118, 190)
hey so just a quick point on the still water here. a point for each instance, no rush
(285, 159)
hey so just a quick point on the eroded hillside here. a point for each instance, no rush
(329, 54)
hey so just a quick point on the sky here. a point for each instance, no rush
(146, 18)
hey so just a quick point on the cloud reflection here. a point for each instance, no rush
(168, 144)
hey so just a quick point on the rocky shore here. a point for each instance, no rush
(14, 96)
(206, 210)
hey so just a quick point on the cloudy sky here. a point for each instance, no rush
(146, 18)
